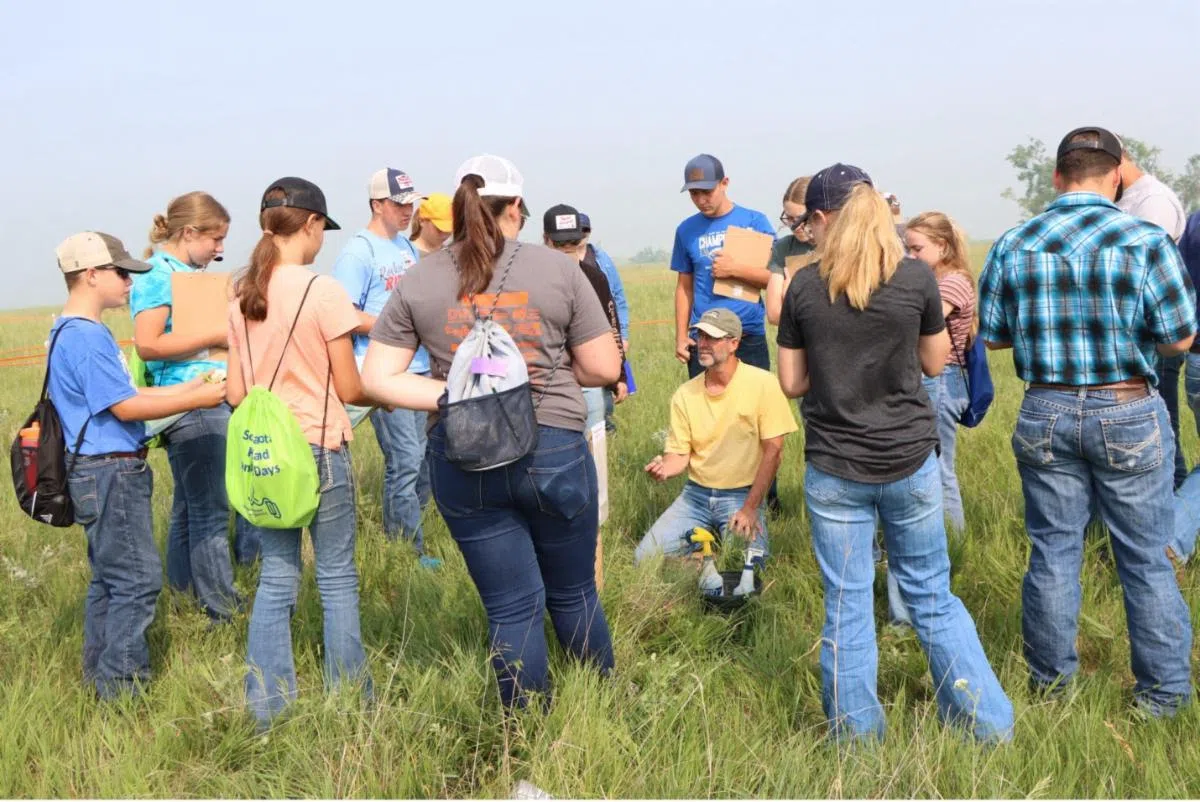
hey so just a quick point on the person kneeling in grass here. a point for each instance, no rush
(727, 430)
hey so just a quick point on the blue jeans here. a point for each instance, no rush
(271, 674)
(843, 514)
(528, 534)
(198, 537)
(1073, 448)
(594, 398)
(948, 395)
(697, 506)
(401, 435)
(1187, 495)
(111, 496)
(1168, 385)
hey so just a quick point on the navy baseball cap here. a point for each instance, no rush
(299, 194)
(585, 223)
(829, 189)
(702, 172)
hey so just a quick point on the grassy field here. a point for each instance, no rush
(700, 705)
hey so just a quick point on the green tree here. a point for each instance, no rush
(1035, 172)
(650, 256)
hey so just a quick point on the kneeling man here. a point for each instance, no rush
(727, 430)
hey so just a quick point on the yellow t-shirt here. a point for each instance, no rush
(722, 434)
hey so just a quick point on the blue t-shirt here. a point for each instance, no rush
(88, 375)
(369, 267)
(696, 239)
(152, 290)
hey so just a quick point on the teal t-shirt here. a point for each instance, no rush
(150, 291)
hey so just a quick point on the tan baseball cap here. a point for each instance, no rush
(94, 249)
(720, 322)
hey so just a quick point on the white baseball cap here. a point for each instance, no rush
(501, 179)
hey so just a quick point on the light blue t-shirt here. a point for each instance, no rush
(150, 291)
(369, 267)
(88, 375)
(695, 241)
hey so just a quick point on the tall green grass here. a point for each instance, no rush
(700, 705)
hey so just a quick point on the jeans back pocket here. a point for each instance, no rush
(1133, 445)
(1033, 438)
(563, 491)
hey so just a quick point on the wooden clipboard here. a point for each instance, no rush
(746, 247)
(200, 305)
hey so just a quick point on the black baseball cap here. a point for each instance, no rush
(563, 223)
(1104, 140)
(299, 194)
(830, 188)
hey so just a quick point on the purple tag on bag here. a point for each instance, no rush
(490, 366)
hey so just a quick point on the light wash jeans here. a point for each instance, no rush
(1187, 497)
(271, 669)
(843, 514)
(698, 506)
(111, 497)
(948, 396)
(406, 490)
(1073, 449)
(594, 398)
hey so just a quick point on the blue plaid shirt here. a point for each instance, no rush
(1083, 292)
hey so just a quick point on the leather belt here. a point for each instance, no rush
(1125, 390)
(139, 454)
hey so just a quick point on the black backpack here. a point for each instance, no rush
(49, 501)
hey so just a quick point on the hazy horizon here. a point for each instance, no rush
(115, 110)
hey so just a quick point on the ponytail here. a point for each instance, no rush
(251, 286)
(477, 235)
(415, 232)
(197, 210)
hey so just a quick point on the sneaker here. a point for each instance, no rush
(430, 563)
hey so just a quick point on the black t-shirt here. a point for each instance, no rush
(866, 416)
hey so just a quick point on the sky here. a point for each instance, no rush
(112, 109)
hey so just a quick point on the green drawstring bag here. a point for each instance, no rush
(141, 378)
(270, 473)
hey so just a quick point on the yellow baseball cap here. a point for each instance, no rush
(436, 209)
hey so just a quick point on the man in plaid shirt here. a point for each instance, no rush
(1087, 296)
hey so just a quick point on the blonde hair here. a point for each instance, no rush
(860, 250)
(197, 210)
(940, 229)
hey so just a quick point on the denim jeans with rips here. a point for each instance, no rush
(1074, 449)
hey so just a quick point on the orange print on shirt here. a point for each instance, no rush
(522, 321)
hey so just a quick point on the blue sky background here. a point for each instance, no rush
(112, 109)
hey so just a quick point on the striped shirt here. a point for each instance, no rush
(958, 291)
(1083, 292)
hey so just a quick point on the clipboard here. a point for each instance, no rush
(746, 247)
(793, 263)
(200, 305)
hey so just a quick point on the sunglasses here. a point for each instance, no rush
(122, 273)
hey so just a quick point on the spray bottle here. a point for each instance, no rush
(754, 558)
(711, 582)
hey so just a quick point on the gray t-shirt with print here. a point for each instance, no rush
(547, 306)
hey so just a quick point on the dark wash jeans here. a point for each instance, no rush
(528, 534)
(111, 496)
(198, 558)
